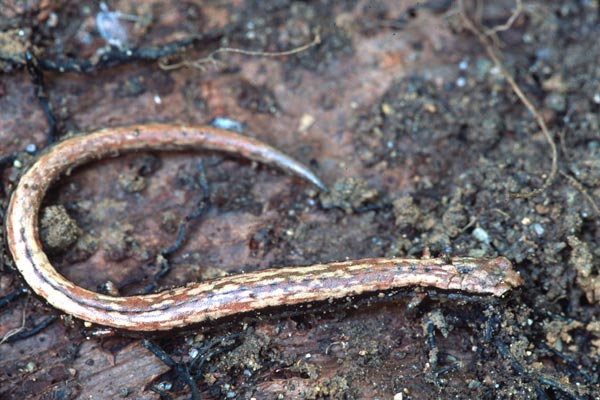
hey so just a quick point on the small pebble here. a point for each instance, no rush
(228, 124)
(556, 102)
(306, 121)
(474, 384)
(31, 148)
(481, 235)
(165, 385)
(538, 229)
(476, 253)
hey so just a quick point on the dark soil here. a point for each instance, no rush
(421, 140)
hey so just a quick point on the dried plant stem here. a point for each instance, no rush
(483, 39)
(201, 62)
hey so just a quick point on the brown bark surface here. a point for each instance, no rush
(420, 139)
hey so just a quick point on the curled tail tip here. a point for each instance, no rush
(319, 184)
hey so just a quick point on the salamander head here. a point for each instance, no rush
(496, 276)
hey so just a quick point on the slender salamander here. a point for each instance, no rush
(226, 296)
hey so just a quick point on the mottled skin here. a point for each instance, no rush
(199, 302)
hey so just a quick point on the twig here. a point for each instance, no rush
(114, 56)
(200, 62)
(23, 334)
(18, 329)
(182, 372)
(583, 192)
(162, 257)
(511, 20)
(4, 300)
(20, 332)
(39, 87)
(573, 366)
(470, 25)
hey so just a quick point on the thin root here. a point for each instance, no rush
(583, 192)
(200, 63)
(20, 328)
(483, 39)
(511, 20)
